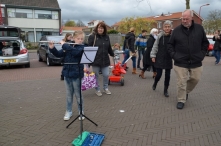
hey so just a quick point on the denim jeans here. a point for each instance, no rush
(73, 87)
(105, 73)
(140, 56)
(167, 76)
(127, 55)
(217, 55)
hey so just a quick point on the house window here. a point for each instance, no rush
(19, 13)
(159, 24)
(54, 14)
(41, 14)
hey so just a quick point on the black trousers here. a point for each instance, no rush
(146, 66)
(167, 76)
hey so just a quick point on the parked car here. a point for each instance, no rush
(43, 50)
(12, 49)
(210, 48)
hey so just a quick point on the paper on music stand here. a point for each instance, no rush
(88, 55)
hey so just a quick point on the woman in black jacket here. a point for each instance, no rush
(101, 39)
(161, 57)
(147, 62)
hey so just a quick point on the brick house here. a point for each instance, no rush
(174, 17)
(35, 18)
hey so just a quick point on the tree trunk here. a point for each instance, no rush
(187, 4)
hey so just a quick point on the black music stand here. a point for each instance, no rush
(87, 57)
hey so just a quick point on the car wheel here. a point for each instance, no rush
(27, 65)
(48, 61)
(39, 58)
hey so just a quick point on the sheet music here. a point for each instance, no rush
(89, 55)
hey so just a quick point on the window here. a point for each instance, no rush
(41, 14)
(159, 24)
(20, 13)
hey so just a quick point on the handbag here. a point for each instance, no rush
(89, 81)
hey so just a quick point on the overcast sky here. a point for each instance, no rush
(112, 11)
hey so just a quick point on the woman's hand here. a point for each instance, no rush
(85, 70)
(51, 44)
(153, 60)
(62, 42)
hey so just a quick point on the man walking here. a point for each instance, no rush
(141, 44)
(187, 46)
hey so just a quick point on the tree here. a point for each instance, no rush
(212, 22)
(70, 23)
(112, 31)
(80, 23)
(138, 23)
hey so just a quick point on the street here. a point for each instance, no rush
(32, 106)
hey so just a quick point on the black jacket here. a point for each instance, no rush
(217, 43)
(73, 56)
(146, 58)
(129, 41)
(104, 48)
(188, 46)
(163, 58)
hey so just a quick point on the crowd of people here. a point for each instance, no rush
(182, 48)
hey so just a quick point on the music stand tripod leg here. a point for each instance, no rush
(80, 104)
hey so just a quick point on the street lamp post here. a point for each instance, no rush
(200, 9)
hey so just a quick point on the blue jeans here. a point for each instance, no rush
(127, 55)
(105, 73)
(140, 56)
(217, 55)
(73, 87)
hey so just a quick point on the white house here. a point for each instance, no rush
(35, 18)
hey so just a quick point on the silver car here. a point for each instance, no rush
(12, 49)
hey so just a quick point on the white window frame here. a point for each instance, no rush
(159, 24)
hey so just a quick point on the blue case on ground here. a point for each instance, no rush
(93, 139)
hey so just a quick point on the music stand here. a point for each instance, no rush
(88, 56)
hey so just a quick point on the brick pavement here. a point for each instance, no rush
(32, 107)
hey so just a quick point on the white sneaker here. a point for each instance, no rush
(98, 93)
(81, 117)
(67, 115)
(107, 92)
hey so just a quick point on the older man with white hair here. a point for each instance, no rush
(187, 46)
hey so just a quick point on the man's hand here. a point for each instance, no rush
(153, 60)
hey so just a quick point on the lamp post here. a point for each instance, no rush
(200, 9)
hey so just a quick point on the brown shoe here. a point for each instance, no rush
(142, 75)
(134, 71)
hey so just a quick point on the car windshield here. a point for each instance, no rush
(56, 39)
(8, 32)
(211, 41)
